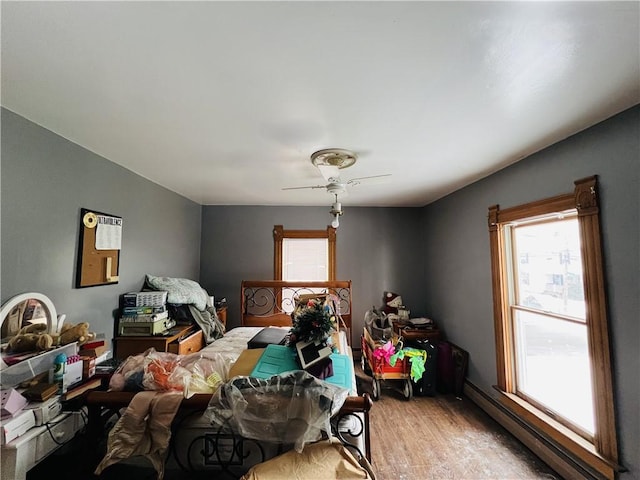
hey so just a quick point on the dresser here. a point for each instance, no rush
(181, 340)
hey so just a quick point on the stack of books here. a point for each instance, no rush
(144, 314)
(80, 388)
(96, 348)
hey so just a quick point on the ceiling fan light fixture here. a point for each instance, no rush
(336, 211)
(334, 157)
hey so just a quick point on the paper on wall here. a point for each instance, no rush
(108, 233)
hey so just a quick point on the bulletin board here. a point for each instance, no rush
(98, 249)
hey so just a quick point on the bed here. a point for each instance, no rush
(197, 446)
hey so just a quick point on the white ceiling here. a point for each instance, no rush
(223, 102)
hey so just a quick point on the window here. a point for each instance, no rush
(304, 254)
(305, 259)
(551, 326)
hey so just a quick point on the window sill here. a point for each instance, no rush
(570, 443)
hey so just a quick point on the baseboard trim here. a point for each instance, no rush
(558, 460)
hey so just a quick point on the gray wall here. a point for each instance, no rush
(458, 270)
(45, 181)
(376, 250)
(436, 257)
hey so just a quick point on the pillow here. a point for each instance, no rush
(180, 290)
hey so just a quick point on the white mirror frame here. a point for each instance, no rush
(47, 304)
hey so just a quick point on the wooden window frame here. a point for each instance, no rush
(279, 234)
(601, 454)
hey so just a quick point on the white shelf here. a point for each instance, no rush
(27, 369)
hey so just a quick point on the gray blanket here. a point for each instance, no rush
(208, 321)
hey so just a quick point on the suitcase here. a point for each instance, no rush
(452, 368)
(446, 368)
(426, 386)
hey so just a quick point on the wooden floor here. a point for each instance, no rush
(443, 437)
(440, 437)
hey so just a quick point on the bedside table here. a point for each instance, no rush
(410, 333)
(222, 315)
(181, 340)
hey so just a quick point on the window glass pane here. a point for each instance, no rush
(549, 267)
(552, 365)
(305, 259)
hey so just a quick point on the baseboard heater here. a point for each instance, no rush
(547, 451)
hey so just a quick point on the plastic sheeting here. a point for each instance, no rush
(200, 372)
(290, 408)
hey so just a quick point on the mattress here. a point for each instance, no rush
(279, 359)
(235, 341)
(192, 432)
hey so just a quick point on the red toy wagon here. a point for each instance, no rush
(379, 368)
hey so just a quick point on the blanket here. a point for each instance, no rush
(182, 291)
(143, 429)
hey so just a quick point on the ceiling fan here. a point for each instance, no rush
(329, 162)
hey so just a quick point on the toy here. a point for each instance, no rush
(30, 338)
(35, 337)
(392, 301)
(73, 333)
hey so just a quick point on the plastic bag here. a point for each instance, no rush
(129, 374)
(378, 324)
(158, 367)
(290, 408)
(202, 372)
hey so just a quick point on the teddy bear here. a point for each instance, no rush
(35, 337)
(73, 333)
(30, 338)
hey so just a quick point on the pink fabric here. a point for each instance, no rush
(384, 352)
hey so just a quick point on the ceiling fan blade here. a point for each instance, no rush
(329, 172)
(300, 188)
(358, 181)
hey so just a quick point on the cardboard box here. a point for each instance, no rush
(12, 427)
(88, 367)
(92, 352)
(72, 373)
(46, 411)
(12, 402)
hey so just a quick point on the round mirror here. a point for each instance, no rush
(22, 310)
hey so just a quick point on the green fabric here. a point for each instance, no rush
(417, 358)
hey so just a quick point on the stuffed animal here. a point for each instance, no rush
(34, 337)
(391, 302)
(30, 338)
(73, 333)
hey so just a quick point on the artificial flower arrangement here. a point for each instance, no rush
(313, 321)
